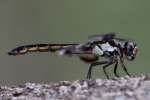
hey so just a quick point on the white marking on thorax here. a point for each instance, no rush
(103, 47)
(108, 47)
(97, 51)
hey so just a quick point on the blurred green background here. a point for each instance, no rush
(67, 21)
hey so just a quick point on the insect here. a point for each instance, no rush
(107, 46)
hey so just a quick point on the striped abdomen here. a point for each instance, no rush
(38, 48)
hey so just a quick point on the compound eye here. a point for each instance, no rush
(130, 49)
(131, 46)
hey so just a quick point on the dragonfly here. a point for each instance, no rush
(101, 49)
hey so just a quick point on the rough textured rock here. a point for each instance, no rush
(124, 88)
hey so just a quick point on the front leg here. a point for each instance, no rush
(115, 69)
(105, 66)
(124, 67)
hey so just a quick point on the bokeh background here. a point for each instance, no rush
(67, 21)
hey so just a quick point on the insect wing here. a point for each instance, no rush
(102, 37)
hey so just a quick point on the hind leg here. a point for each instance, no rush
(89, 76)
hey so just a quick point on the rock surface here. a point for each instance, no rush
(124, 88)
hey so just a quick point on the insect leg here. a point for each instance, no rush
(104, 68)
(124, 68)
(115, 69)
(92, 65)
